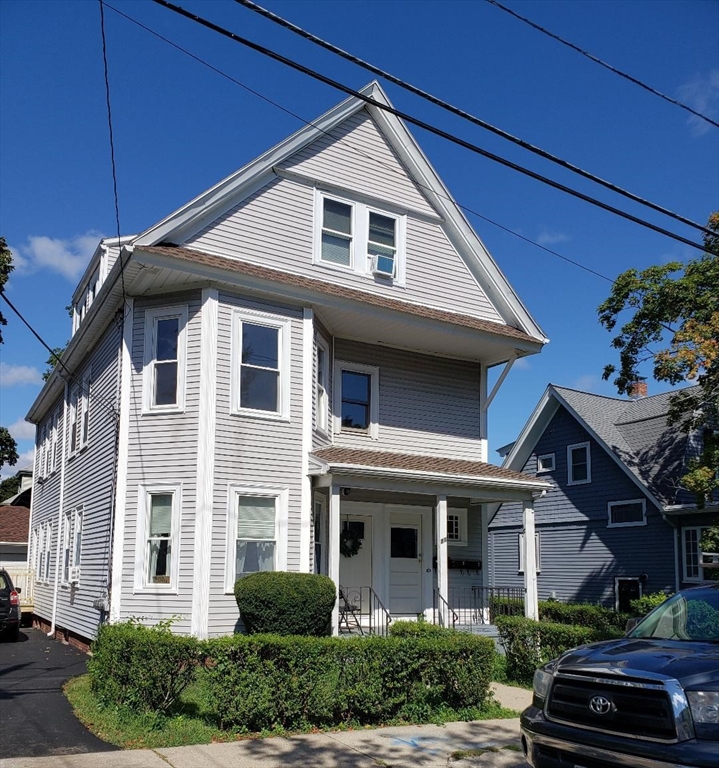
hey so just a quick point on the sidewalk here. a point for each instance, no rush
(423, 746)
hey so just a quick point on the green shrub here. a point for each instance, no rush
(582, 614)
(144, 668)
(643, 605)
(417, 629)
(262, 682)
(286, 603)
(529, 644)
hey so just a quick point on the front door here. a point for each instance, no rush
(356, 569)
(405, 565)
(626, 590)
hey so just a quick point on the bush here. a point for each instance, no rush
(643, 605)
(529, 644)
(264, 682)
(143, 668)
(582, 614)
(286, 603)
(418, 629)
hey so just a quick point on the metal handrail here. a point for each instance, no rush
(451, 612)
(377, 603)
(362, 610)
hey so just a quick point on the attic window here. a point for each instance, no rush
(626, 513)
(579, 466)
(545, 463)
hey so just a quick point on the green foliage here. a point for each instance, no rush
(9, 487)
(529, 644)
(8, 448)
(418, 629)
(286, 603)
(643, 605)
(52, 362)
(702, 621)
(6, 267)
(144, 668)
(702, 478)
(709, 542)
(266, 682)
(584, 615)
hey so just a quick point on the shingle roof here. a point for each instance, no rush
(415, 463)
(339, 291)
(14, 524)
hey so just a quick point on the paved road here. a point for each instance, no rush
(35, 717)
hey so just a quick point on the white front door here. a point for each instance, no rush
(356, 571)
(405, 565)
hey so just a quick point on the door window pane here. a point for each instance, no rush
(404, 542)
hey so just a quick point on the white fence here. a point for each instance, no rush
(24, 580)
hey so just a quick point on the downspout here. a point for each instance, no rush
(61, 504)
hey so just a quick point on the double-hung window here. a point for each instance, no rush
(382, 244)
(84, 412)
(692, 553)
(457, 527)
(356, 389)
(42, 556)
(54, 440)
(257, 526)
(157, 553)
(261, 365)
(579, 464)
(336, 232)
(164, 373)
(72, 546)
(321, 384)
(627, 513)
(73, 420)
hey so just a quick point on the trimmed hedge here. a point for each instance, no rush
(584, 614)
(141, 667)
(647, 603)
(418, 629)
(262, 682)
(529, 644)
(286, 603)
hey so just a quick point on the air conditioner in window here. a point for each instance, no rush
(74, 574)
(382, 266)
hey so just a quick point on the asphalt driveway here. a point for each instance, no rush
(35, 717)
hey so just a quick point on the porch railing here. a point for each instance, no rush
(478, 606)
(442, 613)
(362, 612)
(24, 579)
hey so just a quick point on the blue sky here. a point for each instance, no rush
(180, 127)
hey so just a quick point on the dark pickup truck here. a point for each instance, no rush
(649, 700)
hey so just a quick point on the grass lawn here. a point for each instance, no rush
(499, 673)
(190, 723)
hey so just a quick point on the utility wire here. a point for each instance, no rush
(356, 149)
(465, 115)
(421, 124)
(603, 63)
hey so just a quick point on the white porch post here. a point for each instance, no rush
(442, 571)
(333, 555)
(531, 607)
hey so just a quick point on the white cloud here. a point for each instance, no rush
(702, 94)
(14, 375)
(22, 430)
(552, 238)
(67, 257)
(522, 364)
(25, 459)
(587, 383)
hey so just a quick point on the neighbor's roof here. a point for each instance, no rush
(14, 524)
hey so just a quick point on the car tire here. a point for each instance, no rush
(13, 634)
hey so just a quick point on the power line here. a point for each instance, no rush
(465, 115)
(603, 63)
(355, 149)
(421, 124)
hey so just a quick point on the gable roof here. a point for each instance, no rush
(633, 432)
(14, 524)
(176, 227)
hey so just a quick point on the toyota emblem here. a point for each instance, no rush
(600, 705)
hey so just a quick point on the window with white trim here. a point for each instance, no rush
(257, 525)
(545, 463)
(579, 464)
(71, 546)
(44, 547)
(322, 368)
(261, 364)
(319, 514)
(356, 394)
(42, 454)
(164, 359)
(54, 441)
(360, 237)
(157, 554)
(692, 553)
(84, 412)
(623, 514)
(456, 527)
(537, 552)
(72, 420)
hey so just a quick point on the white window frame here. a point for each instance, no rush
(44, 549)
(699, 531)
(635, 524)
(152, 317)
(48, 549)
(144, 508)
(71, 543)
(42, 453)
(537, 552)
(360, 260)
(283, 326)
(319, 512)
(373, 371)
(83, 412)
(73, 421)
(617, 579)
(570, 479)
(281, 497)
(38, 553)
(461, 514)
(322, 403)
(54, 441)
(540, 468)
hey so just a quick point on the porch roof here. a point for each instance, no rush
(427, 471)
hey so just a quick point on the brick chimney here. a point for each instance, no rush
(637, 390)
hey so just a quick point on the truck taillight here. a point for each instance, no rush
(14, 598)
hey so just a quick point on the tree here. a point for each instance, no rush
(8, 446)
(9, 487)
(675, 307)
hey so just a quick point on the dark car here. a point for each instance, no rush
(649, 700)
(10, 611)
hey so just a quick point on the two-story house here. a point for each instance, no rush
(289, 372)
(617, 522)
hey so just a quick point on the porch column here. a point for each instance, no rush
(333, 555)
(531, 608)
(442, 571)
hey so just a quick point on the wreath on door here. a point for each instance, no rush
(350, 543)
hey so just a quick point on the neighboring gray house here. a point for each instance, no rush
(295, 359)
(616, 522)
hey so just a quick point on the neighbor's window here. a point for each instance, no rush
(72, 427)
(54, 441)
(692, 554)
(578, 464)
(457, 527)
(626, 513)
(545, 462)
(165, 358)
(321, 385)
(72, 545)
(83, 405)
(382, 244)
(336, 232)
(159, 539)
(158, 532)
(356, 391)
